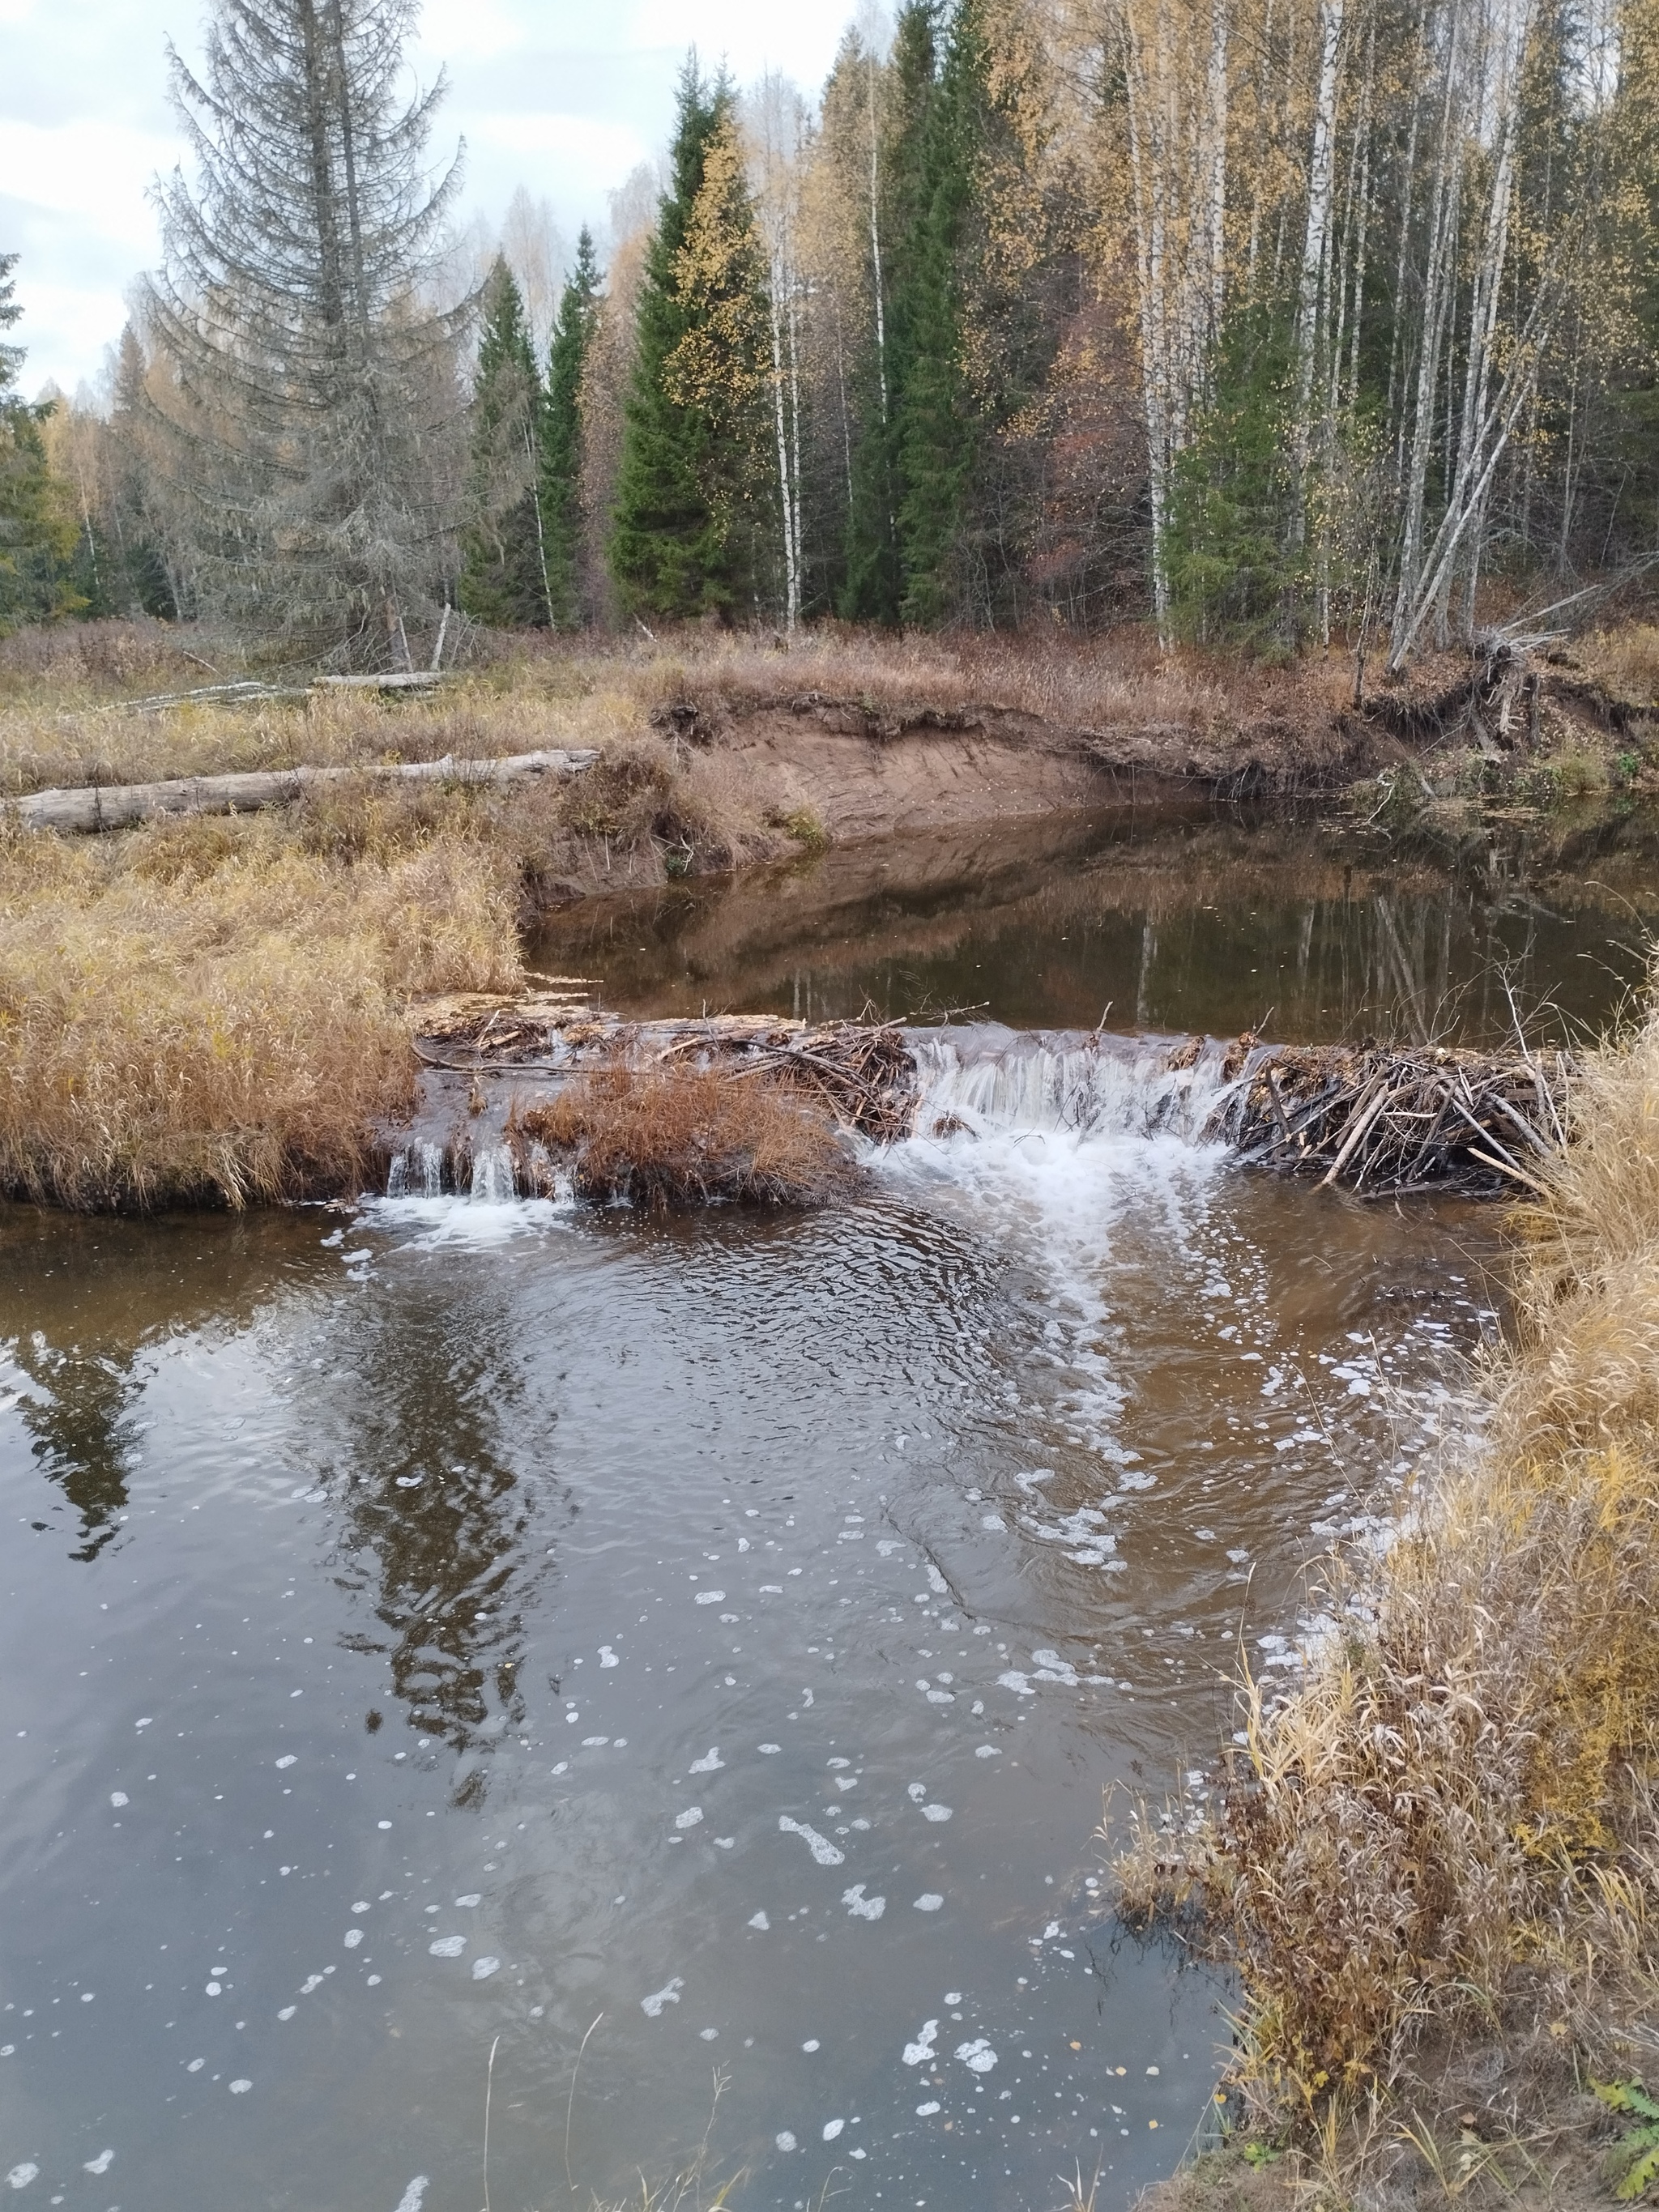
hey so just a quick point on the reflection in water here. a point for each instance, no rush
(80, 1365)
(438, 1514)
(1180, 922)
(79, 1409)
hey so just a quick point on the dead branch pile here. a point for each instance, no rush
(1388, 1121)
(862, 1075)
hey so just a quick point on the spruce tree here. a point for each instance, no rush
(504, 582)
(903, 97)
(312, 405)
(560, 461)
(684, 535)
(936, 430)
(38, 527)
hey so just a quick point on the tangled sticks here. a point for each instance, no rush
(1390, 1120)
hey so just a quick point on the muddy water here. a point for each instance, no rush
(1164, 922)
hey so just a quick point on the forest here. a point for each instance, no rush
(1262, 323)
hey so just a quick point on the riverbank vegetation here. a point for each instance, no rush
(1433, 1862)
(673, 1139)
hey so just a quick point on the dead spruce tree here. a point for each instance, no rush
(314, 422)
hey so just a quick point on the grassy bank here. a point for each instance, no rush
(1434, 1865)
(216, 1009)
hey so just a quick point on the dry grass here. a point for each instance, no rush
(211, 1011)
(1626, 661)
(67, 718)
(686, 1137)
(1449, 1829)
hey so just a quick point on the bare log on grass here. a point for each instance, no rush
(1386, 1121)
(115, 806)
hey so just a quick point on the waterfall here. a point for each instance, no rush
(416, 1172)
(987, 1079)
(494, 1179)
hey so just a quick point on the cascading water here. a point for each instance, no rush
(987, 1081)
(494, 1181)
(418, 1171)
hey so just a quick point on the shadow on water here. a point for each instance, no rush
(1174, 920)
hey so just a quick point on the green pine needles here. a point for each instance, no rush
(504, 580)
(560, 474)
(693, 524)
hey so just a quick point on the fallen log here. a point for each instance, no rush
(96, 806)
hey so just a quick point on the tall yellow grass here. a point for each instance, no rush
(213, 1011)
(1452, 1824)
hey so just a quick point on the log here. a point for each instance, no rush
(114, 805)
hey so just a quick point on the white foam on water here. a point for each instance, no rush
(936, 1812)
(920, 2053)
(832, 2128)
(608, 1657)
(668, 1995)
(448, 1947)
(711, 1597)
(925, 2111)
(473, 1897)
(118, 1797)
(691, 1818)
(977, 2055)
(986, 1751)
(240, 2088)
(820, 1846)
(101, 2164)
(483, 1968)
(411, 2199)
(929, 1901)
(353, 1936)
(22, 2174)
(784, 2139)
(760, 1921)
(710, 1764)
(860, 1906)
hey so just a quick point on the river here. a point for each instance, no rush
(436, 1629)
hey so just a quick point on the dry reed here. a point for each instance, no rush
(673, 1139)
(1448, 1828)
(212, 1012)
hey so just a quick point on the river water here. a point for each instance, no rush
(440, 1627)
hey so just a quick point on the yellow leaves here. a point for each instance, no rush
(722, 363)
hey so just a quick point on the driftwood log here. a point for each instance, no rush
(114, 805)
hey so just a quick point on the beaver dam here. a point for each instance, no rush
(539, 1094)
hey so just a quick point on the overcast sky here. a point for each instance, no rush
(562, 96)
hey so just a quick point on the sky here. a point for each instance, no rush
(564, 97)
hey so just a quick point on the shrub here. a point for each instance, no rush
(676, 1138)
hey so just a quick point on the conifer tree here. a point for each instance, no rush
(561, 457)
(898, 102)
(935, 428)
(314, 411)
(504, 580)
(686, 530)
(38, 527)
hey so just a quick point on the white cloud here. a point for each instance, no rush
(96, 171)
(559, 95)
